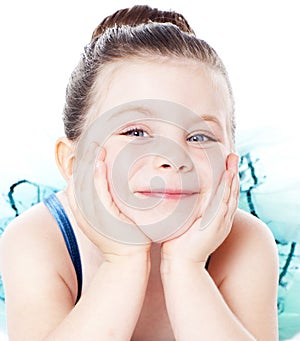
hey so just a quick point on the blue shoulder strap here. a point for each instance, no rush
(58, 212)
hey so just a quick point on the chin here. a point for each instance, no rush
(166, 221)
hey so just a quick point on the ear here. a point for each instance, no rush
(64, 154)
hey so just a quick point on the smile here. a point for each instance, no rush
(167, 194)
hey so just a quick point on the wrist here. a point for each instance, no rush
(181, 266)
(140, 258)
(123, 252)
(135, 268)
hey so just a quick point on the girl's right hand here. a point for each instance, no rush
(108, 214)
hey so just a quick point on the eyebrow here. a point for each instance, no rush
(144, 111)
(137, 109)
(210, 118)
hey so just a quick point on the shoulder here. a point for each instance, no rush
(245, 269)
(39, 278)
(252, 233)
(32, 246)
(34, 231)
(250, 244)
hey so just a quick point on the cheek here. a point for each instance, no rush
(210, 165)
(141, 173)
(123, 164)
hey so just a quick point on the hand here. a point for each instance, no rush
(214, 224)
(107, 220)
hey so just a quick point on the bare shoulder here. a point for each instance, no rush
(245, 269)
(27, 230)
(39, 279)
(33, 231)
(250, 244)
(32, 245)
(252, 233)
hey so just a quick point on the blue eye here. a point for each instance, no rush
(135, 132)
(200, 138)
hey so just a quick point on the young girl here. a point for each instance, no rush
(146, 242)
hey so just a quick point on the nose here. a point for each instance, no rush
(178, 161)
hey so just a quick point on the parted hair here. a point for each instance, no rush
(139, 31)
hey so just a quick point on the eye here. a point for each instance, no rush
(200, 138)
(135, 132)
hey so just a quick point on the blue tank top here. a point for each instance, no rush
(59, 214)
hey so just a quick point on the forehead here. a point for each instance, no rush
(184, 82)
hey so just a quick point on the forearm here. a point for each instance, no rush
(110, 307)
(195, 306)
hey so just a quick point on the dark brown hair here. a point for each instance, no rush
(139, 31)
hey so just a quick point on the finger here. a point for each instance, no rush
(235, 197)
(224, 187)
(100, 179)
(221, 192)
(226, 199)
(100, 153)
(217, 207)
(86, 161)
(232, 162)
(223, 205)
(229, 176)
(88, 157)
(202, 204)
(232, 167)
(102, 187)
(231, 206)
(226, 202)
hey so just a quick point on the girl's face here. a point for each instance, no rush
(171, 145)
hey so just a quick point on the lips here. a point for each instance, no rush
(167, 193)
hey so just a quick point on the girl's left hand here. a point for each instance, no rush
(214, 224)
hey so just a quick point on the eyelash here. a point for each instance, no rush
(131, 130)
(206, 138)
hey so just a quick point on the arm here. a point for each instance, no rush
(235, 309)
(40, 303)
(243, 307)
(109, 310)
(196, 308)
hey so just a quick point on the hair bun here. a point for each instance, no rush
(140, 14)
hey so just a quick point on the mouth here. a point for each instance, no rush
(166, 194)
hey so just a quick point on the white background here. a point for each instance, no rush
(41, 42)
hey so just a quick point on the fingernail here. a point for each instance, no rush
(97, 162)
(236, 160)
(99, 155)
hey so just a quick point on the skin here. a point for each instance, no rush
(158, 291)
